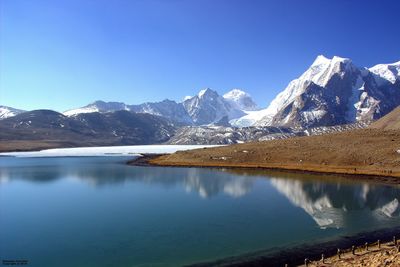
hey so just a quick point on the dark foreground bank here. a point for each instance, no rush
(295, 256)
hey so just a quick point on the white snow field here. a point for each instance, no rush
(105, 151)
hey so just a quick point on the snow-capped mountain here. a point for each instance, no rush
(7, 112)
(208, 107)
(97, 106)
(387, 72)
(168, 109)
(240, 100)
(331, 92)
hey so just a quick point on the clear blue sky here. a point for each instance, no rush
(60, 54)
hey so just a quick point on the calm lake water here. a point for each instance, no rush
(97, 211)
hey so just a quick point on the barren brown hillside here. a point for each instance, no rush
(367, 151)
(390, 121)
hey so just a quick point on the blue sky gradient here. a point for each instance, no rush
(67, 53)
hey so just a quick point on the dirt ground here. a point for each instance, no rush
(386, 255)
(365, 152)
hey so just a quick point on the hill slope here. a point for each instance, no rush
(389, 122)
(47, 128)
(367, 151)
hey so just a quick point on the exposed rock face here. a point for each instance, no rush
(209, 107)
(175, 112)
(332, 92)
(387, 72)
(218, 135)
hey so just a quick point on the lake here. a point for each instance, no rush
(98, 211)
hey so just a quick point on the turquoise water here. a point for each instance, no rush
(97, 211)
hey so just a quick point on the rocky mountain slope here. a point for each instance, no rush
(175, 112)
(218, 135)
(206, 107)
(332, 95)
(332, 92)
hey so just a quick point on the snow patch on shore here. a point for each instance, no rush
(105, 151)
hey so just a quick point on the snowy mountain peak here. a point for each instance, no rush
(7, 112)
(322, 70)
(209, 107)
(389, 72)
(241, 100)
(340, 59)
(97, 106)
(235, 94)
(332, 91)
(321, 59)
(206, 92)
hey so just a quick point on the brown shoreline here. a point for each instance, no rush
(369, 152)
(294, 255)
(148, 160)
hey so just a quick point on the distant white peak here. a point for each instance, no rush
(235, 94)
(187, 97)
(74, 112)
(389, 72)
(7, 112)
(203, 92)
(321, 59)
(340, 59)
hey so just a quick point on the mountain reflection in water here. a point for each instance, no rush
(330, 203)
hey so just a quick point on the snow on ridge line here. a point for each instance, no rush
(73, 112)
(105, 151)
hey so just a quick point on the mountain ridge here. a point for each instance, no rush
(114, 128)
(191, 111)
(332, 91)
